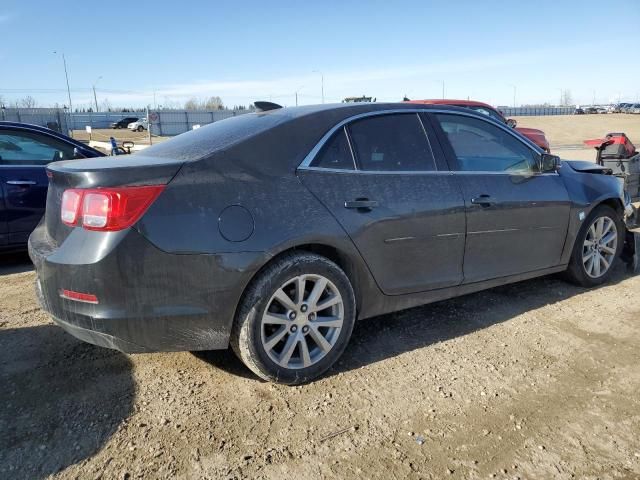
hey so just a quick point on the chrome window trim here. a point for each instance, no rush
(426, 135)
(427, 172)
(353, 155)
(310, 157)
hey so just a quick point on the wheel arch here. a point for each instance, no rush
(612, 202)
(354, 269)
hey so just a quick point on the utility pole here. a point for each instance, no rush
(66, 75)
(297, 90)
(321, 82)
(149, 126)
(443, 89)
(514, 95)
(95, 97)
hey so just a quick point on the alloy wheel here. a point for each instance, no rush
(302, 321)
(600, 247)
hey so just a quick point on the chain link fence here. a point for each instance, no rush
(536, 111)
(175, 122)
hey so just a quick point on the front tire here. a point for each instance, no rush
(598, 245)
(295, 319)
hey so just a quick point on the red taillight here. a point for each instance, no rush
(79, 297)
(108, 209)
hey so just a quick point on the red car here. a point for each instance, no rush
(533, 134)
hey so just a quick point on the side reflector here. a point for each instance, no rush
(79, 297)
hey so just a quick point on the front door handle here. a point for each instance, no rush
(361, 204)
(21, 182)
(483, 201)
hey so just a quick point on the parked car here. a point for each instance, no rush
(579, 111)
(25, 150)
(536, 136)
(635, 108)
(275, 231)
(124, 122)
(601, 110)
(624, 107)
(139, 125)
(590, 110)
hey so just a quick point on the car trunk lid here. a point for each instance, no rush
(120, 171)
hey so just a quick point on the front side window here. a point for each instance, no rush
(482, 147)
(391, 143)
(335, 154)
(26, 148)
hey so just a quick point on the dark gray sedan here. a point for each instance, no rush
(275, 231)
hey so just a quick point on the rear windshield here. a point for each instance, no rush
(202, 142)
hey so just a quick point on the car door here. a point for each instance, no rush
(380, 178)
(23, 157)
(4, 226)
(517, 216)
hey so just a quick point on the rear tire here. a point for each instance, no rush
(295, 319)
(598, 245)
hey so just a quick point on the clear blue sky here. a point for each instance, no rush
(248, 50)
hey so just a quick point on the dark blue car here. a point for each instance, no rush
(25, 150)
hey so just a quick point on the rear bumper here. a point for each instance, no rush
(148, 300)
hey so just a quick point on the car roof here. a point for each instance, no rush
(28, 127)
(350, 109)
(297, 128)
(444, 101)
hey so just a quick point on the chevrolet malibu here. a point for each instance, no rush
(274, 231)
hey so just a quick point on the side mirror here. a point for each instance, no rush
(76, 153)
(549, 163)
(512, 123)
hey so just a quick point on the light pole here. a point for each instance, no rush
(321, 82)
(443, 89)
(66, 76)
(95, 98)
(514, 95)
(297, 90)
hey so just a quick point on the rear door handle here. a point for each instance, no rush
(21, 182)
(483, 200)
(361, 203)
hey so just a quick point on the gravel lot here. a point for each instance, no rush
(534, 380)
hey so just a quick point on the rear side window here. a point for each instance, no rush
(483, 147)
(391, 143)
(26, 148)
(335, 154)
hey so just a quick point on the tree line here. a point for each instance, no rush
(194, 103)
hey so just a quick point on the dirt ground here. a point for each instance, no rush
(535, 380)
(120, 134)
(567, 132)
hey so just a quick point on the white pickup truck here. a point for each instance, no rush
(139, 125)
